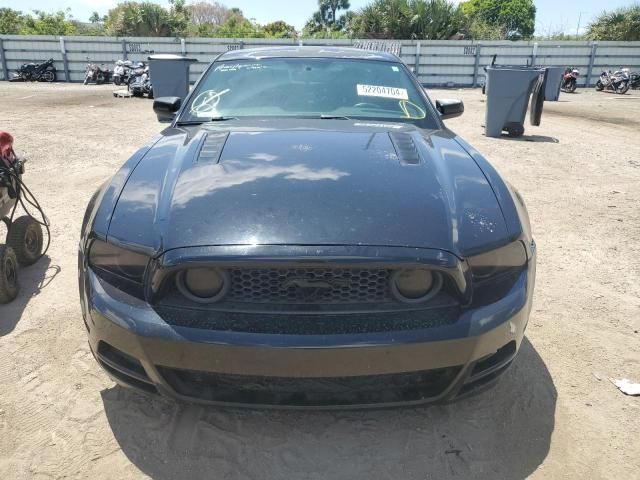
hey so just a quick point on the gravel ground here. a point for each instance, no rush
(555, 414)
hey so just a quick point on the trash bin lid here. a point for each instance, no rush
(170, 56)
(516, 68)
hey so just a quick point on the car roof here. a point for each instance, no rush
(308, 52)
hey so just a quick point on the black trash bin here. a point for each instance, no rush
(170, 75)
(554, 81)
(508, 89)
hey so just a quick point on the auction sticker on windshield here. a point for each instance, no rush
(380, 91)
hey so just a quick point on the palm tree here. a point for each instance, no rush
(332, 6)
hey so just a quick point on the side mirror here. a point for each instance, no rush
(449, 108)
(166, 108)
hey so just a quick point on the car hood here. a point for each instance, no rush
(344, 183)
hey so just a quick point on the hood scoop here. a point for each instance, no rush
(212, 146)
(405, 148)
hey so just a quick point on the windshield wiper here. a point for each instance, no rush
(334, 117)
(205, 120)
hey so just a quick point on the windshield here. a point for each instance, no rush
(307, 87)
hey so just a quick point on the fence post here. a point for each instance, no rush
(124, 49)
(65, 60)
(534, 54)
(594, 48)
(5, 71)
(476, 65)
(417, 67)
(183, 46)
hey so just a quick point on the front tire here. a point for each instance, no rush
(622, 88)
(26, 239)
(599, 86)
(9, 285)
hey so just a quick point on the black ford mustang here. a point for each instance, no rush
(306, 233)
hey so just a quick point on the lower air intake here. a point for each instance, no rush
(310, 392)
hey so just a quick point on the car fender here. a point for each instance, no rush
(100, 209)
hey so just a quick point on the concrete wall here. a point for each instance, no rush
(437, 63)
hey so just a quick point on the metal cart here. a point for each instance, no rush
(24, 241)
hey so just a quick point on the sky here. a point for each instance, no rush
(552, 15)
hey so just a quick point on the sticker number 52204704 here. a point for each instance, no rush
(380, 91)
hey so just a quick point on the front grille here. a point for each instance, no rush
(296, 323)
(306, 392)
(309, 285)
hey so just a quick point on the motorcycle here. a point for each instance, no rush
(35, 72)
(617, 81)
(140, 81)
(634, 80)
(122, 71)
(570, 80)
(96, 73)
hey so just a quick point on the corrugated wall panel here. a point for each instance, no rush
(441, 62)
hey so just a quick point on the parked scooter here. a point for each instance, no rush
(98, 74)
(570, 80)
(35, 72)
(617, 81)
(122, 71)
(140, 81)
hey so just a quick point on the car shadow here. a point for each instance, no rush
(32, 280)
(503, 433)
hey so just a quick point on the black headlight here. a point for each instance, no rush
(118, 266)
(495, 272)
(496, 261)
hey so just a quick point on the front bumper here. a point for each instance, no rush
(139, 349)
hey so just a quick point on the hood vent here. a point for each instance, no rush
(212, 147)
(405, 148)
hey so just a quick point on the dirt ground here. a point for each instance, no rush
(554, 415)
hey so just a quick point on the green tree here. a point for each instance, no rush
(516, 17)
(179, 17)
(434, 19)
(279, 29)
(622, 24)
(237, 26)
(11, 21)
(326, 19)
(95, 18)
(384, 19)
(329, 9)
(419, 19)
(43, 23)
(140, 19)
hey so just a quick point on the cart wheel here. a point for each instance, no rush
(537, 101)
(26, 239)
(9, 286)
(515, 130)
